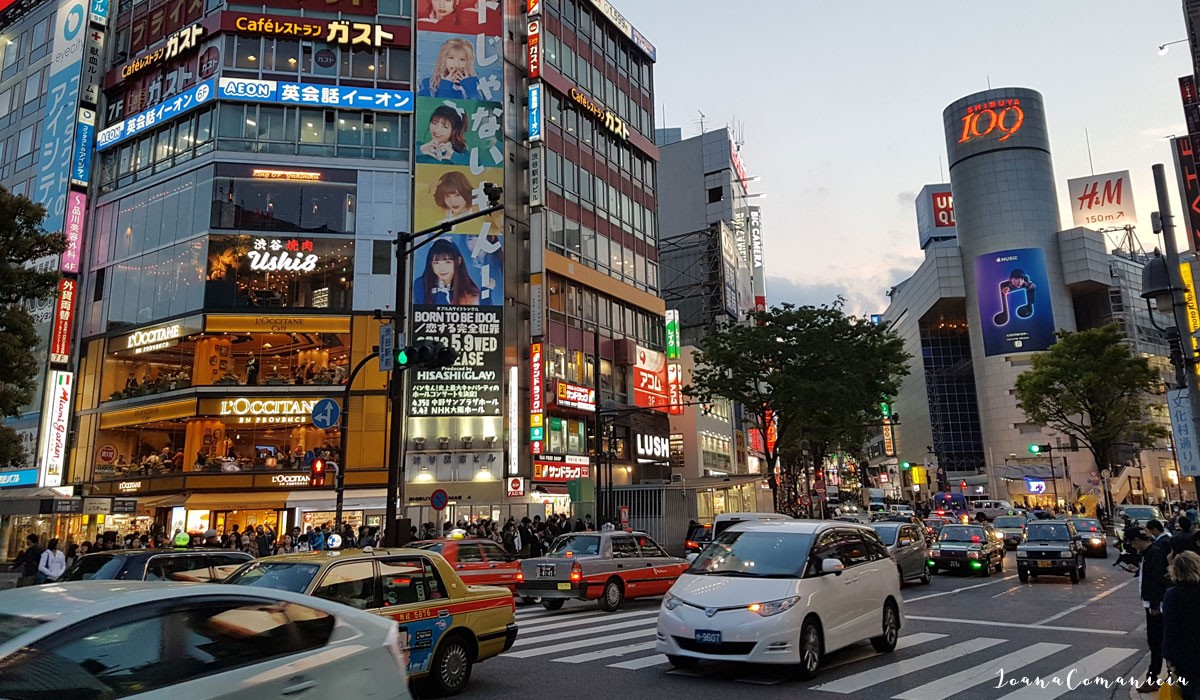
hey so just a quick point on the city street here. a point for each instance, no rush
(960, 633)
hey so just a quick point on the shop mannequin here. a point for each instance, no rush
(252, 370)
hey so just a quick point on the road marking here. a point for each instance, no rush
(578, 644)
(861, 681)
(1093, 599)
(607, 653)
(989, 623)
(957, 590)
(956, 683)
(574, 620)
(863, 653)
(555, 636)
(638, 664)
(1086, 668)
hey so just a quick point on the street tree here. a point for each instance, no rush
(1090, 387)
(812, 371)
(22, 241)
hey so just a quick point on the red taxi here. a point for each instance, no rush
(477, 562)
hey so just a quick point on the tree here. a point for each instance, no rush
(816, 371)
(22, 241)
(1089, 386)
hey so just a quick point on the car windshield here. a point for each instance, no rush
(101, 567)
(754, 554)
(431, 546)
(887, 532)
(1047, 531)
(961, 534)
(12, 626)
(1143, 513)
(1010, 521)
(575, 545)
(284, 576)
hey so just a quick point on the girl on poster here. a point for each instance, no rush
(453, 73)
(447, 137)
(441, 15)
(446, 280)
(453, 194)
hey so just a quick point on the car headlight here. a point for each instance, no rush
(1095, 540)
(774, 607)
(671, 602)
(1064, 553)
(973, 554)
(1022, 554)
(935, 552)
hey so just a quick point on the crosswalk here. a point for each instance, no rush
(925, 665)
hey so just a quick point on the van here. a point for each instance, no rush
(701, 535)
(992, 509)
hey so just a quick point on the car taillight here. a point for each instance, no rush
(691, 544)
(576, 573)
(399, 653)
(520, 577)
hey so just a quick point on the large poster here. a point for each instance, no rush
(458, 278)
(1014, 315)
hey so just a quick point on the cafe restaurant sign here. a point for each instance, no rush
(265, 411)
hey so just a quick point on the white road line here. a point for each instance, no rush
(861, 681)
(990, 623)
(644, 662)
(956, 683)
(624, 625)
(1086, 668)
(607, 653)
(575, 620)
(958, 590)
(578, 644)
(1093, 599)
(863, 653)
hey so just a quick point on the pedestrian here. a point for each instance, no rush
(250, 545)
(1181, 634)
(52, 563)
(1153, 583)
(264, 541)
(1181, 541)
(588, 524)
(27, 561)
(525, 533)
(211, 539)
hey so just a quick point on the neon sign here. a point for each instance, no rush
(610, 119)
(276, 255)
(995, 116)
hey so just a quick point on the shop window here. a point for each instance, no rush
(358, 63)
(350, 134)
(397, 65)
(311, 201)
(256, 272)
(247, 52)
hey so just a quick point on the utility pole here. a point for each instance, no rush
(339, 479)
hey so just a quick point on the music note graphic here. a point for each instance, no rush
(1017, 281)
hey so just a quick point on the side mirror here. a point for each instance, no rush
(832, 566)
(691, 556)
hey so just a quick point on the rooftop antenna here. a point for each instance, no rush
(941, 172)
(989, 79)
(702, 118)
(1088, 139)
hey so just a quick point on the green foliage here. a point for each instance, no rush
(1088, 385)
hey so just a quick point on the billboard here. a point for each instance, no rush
(672, 334)
(1183, 428)
(1013, 317)
(537, 398)
(995, 120)
(757, 255)
(650, 379)
(935, 214)
(52, 452)
(1102, 200)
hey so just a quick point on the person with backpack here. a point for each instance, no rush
(52, 563)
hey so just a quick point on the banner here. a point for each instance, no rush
(1183, 429)
(1013, 316)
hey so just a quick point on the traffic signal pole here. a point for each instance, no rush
(339, 479)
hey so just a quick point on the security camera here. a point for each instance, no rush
(493, 193)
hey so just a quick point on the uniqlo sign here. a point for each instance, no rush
(534, 55)
(943, 210)
(64, 320)
(557, 472)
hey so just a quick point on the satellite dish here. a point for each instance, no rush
(334, 542)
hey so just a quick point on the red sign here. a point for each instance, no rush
(772, 431)
(533, 7)
(1189, 175)
(574, 396)
(560, 472)
(439, 499)
(624, 511)
(64, 321)
(107, 454)
(883, 478)
(943, 210)
(737, 163)
(650, 379)
(537, 398)
(534, 55)
(675, 389)
(996, 117)
(516, 487)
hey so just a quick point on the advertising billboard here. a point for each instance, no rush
(1013, 316)
(64, 322)
(52, 452)
(537, 399)
(650, 379)
(672, 335)
(1102, 200)
(757, 255)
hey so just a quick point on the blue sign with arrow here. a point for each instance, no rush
(326, 413)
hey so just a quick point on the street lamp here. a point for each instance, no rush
(1164, 48)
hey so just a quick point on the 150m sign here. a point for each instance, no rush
(1004, 117)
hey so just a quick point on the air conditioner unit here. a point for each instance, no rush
(677, 478)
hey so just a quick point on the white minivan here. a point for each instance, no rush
(783, 592)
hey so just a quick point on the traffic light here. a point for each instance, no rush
(906, 465)
(963, 485)
(426, 354)
(885, 409)
(1038, 449)
(316, 473)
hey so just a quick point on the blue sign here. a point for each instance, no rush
(182, 103)
(20, 477)
(278, 92)
(1035, 486)
(100, 12)
(439, 499)
(535, 111)
(62, 107)
(81, 158)
(326, 413)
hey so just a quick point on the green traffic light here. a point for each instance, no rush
(1034, 449)
(402, 357)
(906, 466)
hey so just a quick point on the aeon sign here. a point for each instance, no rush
(275, 255)
(1003, 118)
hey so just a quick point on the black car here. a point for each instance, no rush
(1051, 547)
(1094, 538)
(195, 565)
(972, 549)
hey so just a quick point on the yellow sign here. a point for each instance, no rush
(269, 174)
(919, 475)
(148, 414)
(277, 324)
(610, 119)
(889, 438)
(260, 411)
(1193, 309)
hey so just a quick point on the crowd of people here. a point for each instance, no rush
(521, 538)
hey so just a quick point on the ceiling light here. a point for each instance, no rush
(251, 58)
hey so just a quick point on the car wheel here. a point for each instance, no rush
(451, 667)
(553, 603)
(682, 661)
(810, 649)
(1082, 568)
(613, 595)
(1023, 575)
(926, 575)
(987, 567)
(1074, 574)
(886, 642)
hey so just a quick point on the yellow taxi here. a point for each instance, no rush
(445, 625)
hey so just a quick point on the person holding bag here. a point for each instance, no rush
(52, 564)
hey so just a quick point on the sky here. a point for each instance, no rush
(840, 103)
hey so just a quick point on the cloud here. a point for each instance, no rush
(1161, 132)
(861, 299)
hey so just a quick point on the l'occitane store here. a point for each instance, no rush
(211, 414)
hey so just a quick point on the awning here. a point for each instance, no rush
(323, 499)
(548, 490)
(149, 503)
(235, 501)
(31, 492)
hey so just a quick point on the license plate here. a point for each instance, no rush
(564, 586)
(1044, 564)
(708, 636)
(955, 564)
(545, 571)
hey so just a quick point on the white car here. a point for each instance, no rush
(156, 641)
(783, 593)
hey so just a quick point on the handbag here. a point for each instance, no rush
(1167, 691)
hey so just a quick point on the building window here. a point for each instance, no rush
(381, 257)
(284, 200)
(279, 272)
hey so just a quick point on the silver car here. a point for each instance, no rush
(160, 641)
(907, 544)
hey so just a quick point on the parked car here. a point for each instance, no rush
(971, 549)
(1051, 547)
(608, 567)
(192, 565)
(108, 639)
(907, 544)
(448, 626)
(1093, 536)
(783, 593)
(477, 562)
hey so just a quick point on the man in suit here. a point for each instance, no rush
(1153, 583)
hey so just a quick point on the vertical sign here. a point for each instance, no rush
(533, 7)
(672, 334)
(1193, 305)
(537, 306)
(537, 398)
(889, 438)
(534, 50)
(756, 260)
(675, 389)
(81, 153)
(387, 347)
(62, 104)
(1189, 187)
(73, 230)
(53, 453)
(63, 323)
(1187, 453)
(535, 112)
(537, 179)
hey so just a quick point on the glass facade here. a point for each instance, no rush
(950, 387)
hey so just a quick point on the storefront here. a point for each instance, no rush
(359, 507)
(468, 502)
(44, 512)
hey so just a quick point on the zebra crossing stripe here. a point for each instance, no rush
(560, 636)
(854, 656)
(574, 621)
(861, 681)
(987, 672)
(1086, 668)
(644, 662)
(607, 653)
(578, 644)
